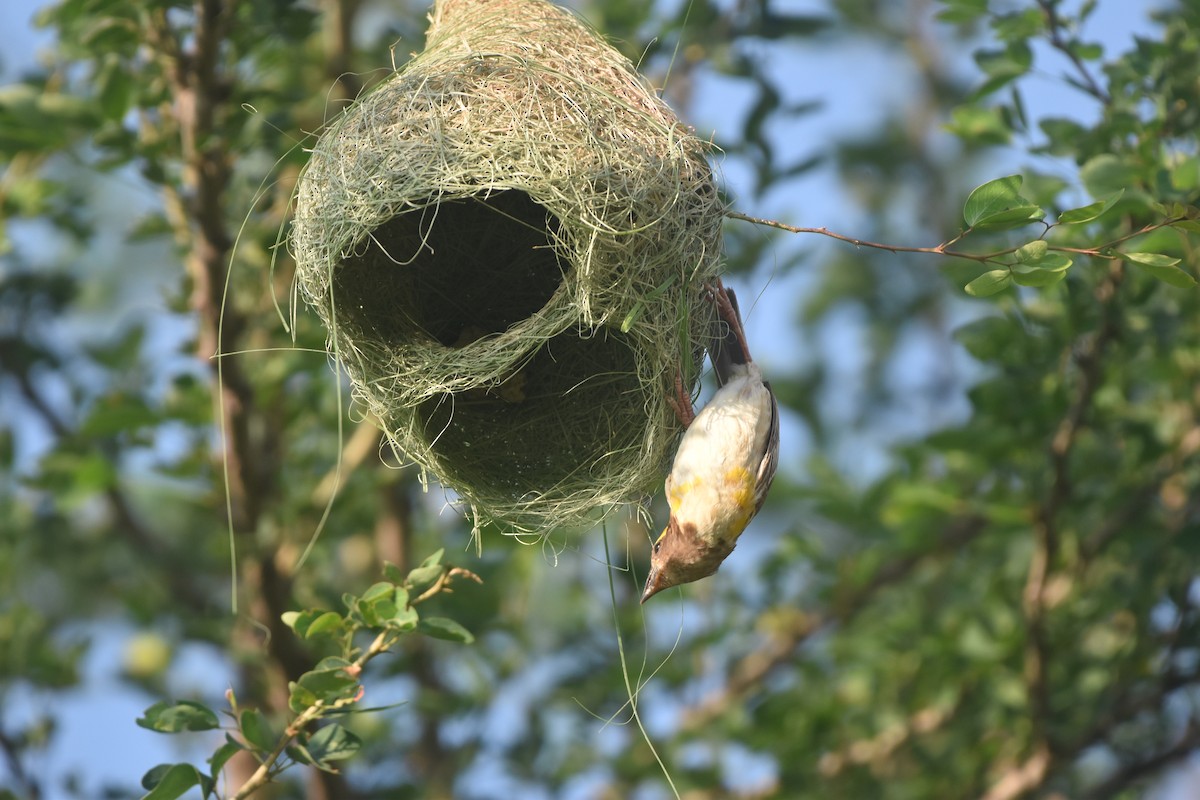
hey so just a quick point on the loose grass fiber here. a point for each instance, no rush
(507, 240)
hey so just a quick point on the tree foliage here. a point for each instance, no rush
(975, 576)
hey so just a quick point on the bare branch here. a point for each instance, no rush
(1021, 778)
(1183, 747)
(1057, 40)
(126, 520)
(881, 746)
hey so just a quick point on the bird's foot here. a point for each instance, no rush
(681, 403)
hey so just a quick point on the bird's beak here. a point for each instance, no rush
(655, 583)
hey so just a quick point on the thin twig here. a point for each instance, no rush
(1055, 27)
(940, 250)
(1183, 747)
(1103, 251)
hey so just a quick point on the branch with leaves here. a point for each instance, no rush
(998, 206)
(387, 609)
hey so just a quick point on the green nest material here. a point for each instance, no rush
(508, 240)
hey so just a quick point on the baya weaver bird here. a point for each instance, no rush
(725, 462)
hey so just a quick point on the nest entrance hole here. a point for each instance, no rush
(454, 271)
(549, 427)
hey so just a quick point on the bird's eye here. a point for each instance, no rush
(657, 547)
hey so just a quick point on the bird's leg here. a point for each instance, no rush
(681, 403)
(728, 313)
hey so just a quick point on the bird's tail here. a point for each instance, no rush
(727, 344)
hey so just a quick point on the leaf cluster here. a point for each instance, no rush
(386, 611)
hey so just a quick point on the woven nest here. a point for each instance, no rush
(507, 240)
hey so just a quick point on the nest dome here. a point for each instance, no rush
(507, 240)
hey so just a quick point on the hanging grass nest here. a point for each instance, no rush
(508, 240)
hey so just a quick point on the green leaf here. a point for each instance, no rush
(221, 757)
(374, 612)
(997, 202)
(1032, 276)
(392, 573)
(1016, 217)
(376, 591)
(299, 753)
(1051, 262)
(182, 716)
(989, 283)
(980, 125)
(256, 730)
(423, 577)
(959, 11)
(329, 622)
(1087, 51)
(115, 89)
(1019, 25)
(1185, 175)
(169, 781)
(1162, 267)
(332, 743)
(1107, 174)
(333, 662)
(1091, 211)
(301, 621)
(1151, 259)
(445, 628)
(327, 685)
(1032, 251)
(1003, 66)
(300, 697)
(1063, 135)
(405, 619)
(995, 195)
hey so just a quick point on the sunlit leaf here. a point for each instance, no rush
(989, 283)
(1162, 267)
(1031, 251)
(1032, 276)
(1091, 211)
(994, 197)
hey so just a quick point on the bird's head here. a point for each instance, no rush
(681, 555)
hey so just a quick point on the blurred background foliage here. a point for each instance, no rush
(976, 574)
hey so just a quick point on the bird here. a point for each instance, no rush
(725, 462)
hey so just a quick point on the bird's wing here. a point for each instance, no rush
(770, 459)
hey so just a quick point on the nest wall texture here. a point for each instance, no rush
(507, 240)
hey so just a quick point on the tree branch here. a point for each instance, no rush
(1103, 251)
(1046, 535)
(1021, 778)
(1058, 42)
(881, 746)
(1184, 746)
(22, 779)
(126, 520)
(749, 674)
